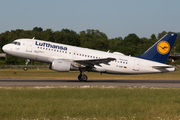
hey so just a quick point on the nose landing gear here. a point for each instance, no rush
(26, 68)
(82, 77)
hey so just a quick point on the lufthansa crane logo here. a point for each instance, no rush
(163, 47)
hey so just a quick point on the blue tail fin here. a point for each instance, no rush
(159, 52)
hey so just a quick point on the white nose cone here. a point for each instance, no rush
(5, 48)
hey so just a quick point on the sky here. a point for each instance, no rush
(115, 18)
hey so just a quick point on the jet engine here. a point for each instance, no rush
(60, 65)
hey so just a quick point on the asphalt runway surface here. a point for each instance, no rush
(158, 83)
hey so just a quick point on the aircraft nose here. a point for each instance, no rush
(5, 48)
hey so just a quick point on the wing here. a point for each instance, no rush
(93, 62)
(85, 63)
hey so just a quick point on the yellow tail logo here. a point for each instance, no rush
(163, 47)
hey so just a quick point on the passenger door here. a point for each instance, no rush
(136, 65)
(29, 46)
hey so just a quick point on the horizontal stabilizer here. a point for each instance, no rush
(167, 66)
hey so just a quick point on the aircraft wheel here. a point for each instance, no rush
(79, 77)
(25, 68)
(84, 78)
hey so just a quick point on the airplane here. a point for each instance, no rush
(63, 58)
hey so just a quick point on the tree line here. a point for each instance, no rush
(93, 39)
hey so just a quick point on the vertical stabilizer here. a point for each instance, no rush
(159, 52)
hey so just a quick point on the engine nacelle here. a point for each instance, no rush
(60, 65)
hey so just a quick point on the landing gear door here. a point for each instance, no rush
(29, 46)
(136, 65)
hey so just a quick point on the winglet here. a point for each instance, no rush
(159, 52)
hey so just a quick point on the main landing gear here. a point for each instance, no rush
(26, 68)
(82, 77)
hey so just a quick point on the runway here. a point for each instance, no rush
(158, 83)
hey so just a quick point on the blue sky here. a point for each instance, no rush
(115, 18)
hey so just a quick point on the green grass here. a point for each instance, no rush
(89, 103)
(50, 74)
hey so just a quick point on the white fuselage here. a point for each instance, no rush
(44, 51)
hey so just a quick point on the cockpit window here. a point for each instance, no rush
(16, 43)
